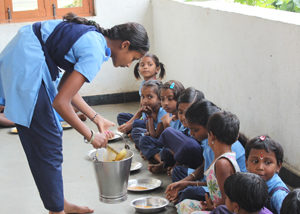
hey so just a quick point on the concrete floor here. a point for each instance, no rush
(18, 193)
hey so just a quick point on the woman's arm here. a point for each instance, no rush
(68, 90)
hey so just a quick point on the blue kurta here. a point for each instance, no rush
(23, 68)
(279, 195)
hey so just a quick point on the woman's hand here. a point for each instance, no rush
(100, 140)
(104, 125)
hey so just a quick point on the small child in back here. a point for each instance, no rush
(264, 157)
(223, 130)
(148, 67)
(291, 203)
(246, 193)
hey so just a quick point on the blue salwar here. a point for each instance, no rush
(42, 143)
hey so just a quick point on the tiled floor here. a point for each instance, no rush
(19, 195)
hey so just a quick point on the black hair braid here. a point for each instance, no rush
(135, 33)
(72, 17)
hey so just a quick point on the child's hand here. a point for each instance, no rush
(147, 110)
(125, 128)
(207, 204)
(173, 189)
(166, 120)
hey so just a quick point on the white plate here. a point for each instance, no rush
(143, 184)
(149, 204)
(135, 166)
(118, 136)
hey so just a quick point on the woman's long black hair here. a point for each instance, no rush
(133, 32)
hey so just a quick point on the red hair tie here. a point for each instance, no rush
(262, 138)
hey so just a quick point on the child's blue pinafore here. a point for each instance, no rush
(28, 89)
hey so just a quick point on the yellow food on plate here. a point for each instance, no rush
(143, 206)
(137, 188)
(14, 130)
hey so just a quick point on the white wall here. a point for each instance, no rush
(109, 13)
(244, 63)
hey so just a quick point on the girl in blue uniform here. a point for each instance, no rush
(264, 157)
(151, 107)
(28, 68)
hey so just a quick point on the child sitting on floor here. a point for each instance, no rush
(223, 130)
(150, 146)
(246, 193)
(148, 67)
(151, 106)
(264, 157)
(185, 180)
(179, 147)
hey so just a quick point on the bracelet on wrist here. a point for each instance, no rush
(93, 118)
(91, 139)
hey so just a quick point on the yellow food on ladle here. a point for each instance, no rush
(120, 155)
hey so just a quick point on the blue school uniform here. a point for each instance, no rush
(141, 86)
(28, 88)
(186, 149)
(138, 132)
(150, 146)
(277, 196)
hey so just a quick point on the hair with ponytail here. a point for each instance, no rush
(133, 32)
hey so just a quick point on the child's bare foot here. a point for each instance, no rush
(144, 158)
(156, 168)
(72, 208)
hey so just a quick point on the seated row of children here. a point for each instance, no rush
(199, 145)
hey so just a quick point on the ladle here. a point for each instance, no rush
(119, 155)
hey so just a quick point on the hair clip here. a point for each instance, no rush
(262, 138)
(172, 85)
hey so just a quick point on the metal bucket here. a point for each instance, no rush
(112, 177)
